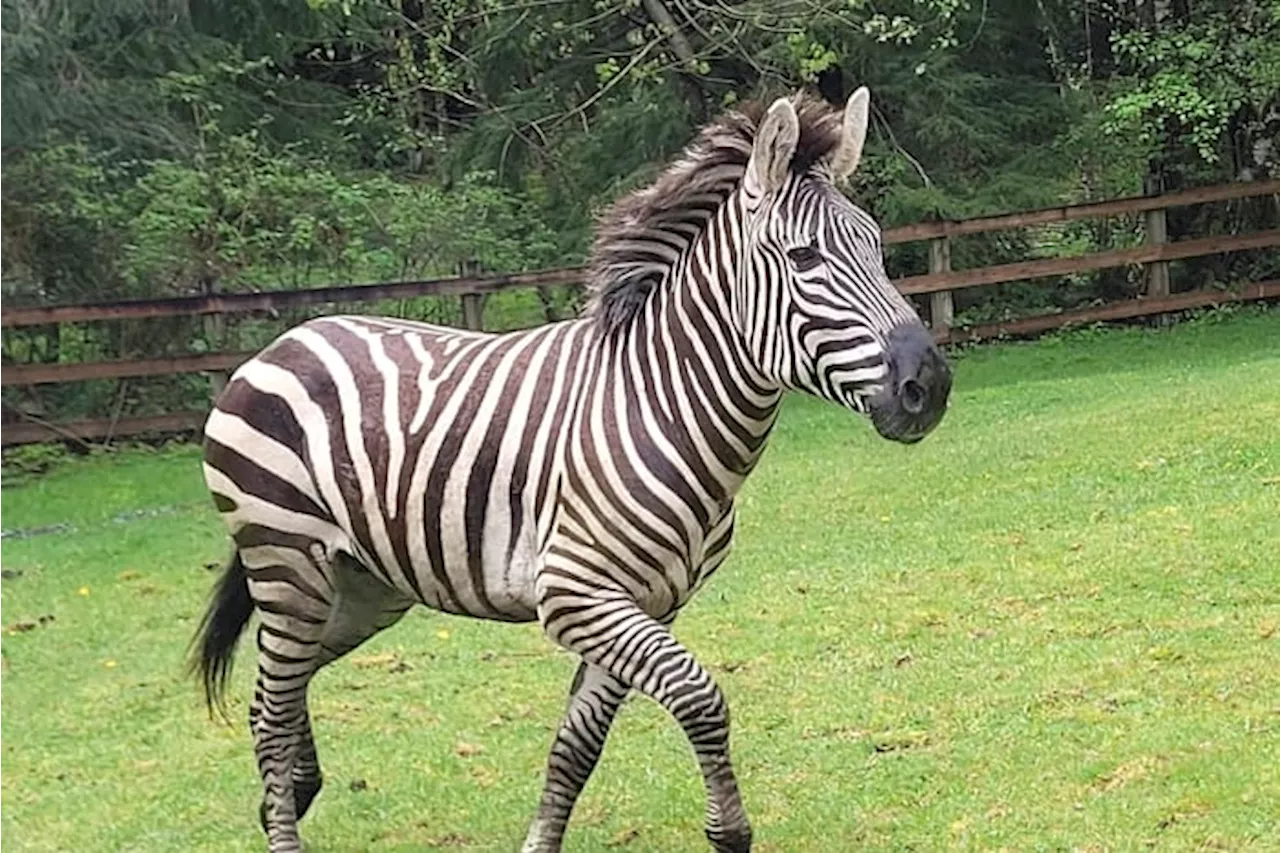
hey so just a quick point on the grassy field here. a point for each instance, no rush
(1054, 625)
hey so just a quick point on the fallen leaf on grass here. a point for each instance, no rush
(1182, 813)
(24, 626)
(899, 741)
(838, 732)
(485, 776)
(387, 659)
(623, 837)
(1267, 630)
(1129, 771)
(466, 750)
(449, 839)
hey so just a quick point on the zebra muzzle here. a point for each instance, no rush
(914, 399)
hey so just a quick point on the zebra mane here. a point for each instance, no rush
(642, 235)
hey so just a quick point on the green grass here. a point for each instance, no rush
(1054, 625)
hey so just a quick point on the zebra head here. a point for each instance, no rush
(813, 300)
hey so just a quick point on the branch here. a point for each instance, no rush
(613, 81)
(667, 24)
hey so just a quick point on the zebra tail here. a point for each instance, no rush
(213, 647)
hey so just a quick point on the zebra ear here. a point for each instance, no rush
(773, 148)
(856, 115)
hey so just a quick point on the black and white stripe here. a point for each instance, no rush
(582, 474)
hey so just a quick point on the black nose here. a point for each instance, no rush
(915, 397)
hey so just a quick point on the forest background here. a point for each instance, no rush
(158, 148)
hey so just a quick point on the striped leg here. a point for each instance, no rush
(594, 700)
(312, 614)
(307, 778)
(288, 648)
(637, 650)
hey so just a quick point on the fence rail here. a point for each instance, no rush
(939, 284)
(1076, 212)
(277, 300)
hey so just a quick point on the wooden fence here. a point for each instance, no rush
(939, 284)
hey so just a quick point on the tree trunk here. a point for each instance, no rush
(680, 46)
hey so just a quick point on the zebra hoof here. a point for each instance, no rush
(305, 792)
(731, 840)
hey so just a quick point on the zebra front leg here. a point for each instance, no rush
(594, 700)
(639, 651)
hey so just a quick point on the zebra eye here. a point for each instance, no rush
(804, 257)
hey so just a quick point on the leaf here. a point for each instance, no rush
(623, 837)
(374, 661)
(467, 750)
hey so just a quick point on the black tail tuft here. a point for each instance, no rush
(213, 647)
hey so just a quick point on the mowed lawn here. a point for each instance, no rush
(1053, 625)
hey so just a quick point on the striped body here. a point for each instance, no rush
(437, 459)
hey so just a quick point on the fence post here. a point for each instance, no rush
(472, 303)
(214, 327)
(1157, 232)
(942, 309)
(1156, 229)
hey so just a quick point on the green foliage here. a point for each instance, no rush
(251, 215)
(28, 461)
(1186, 82)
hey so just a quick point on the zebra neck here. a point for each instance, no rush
(685, 369)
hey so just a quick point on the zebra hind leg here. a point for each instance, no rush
(288, 655)
(594, 700)
(309, 619)
(306, 775)
(615, 634)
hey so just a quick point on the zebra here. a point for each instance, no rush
(580, 474)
